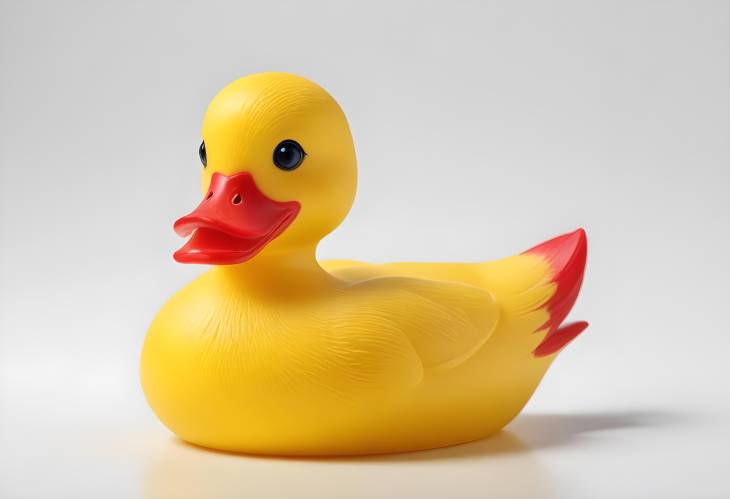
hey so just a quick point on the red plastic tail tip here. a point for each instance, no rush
(556, 340)
(566, 255)
(568, 250)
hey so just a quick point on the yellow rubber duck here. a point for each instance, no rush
(273, 352)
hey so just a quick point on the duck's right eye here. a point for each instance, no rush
(288, 155)
(202, 154)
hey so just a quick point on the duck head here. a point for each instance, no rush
(278, 171)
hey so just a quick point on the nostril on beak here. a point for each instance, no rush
(210, 195)
(236, 199)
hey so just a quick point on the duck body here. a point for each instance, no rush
(273, 352)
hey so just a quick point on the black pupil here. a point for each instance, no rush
(288, 155)
(203, 155)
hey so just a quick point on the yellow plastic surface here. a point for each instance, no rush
(286, 355)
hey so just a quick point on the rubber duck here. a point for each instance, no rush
(272, 352)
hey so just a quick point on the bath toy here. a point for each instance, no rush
(273, 352)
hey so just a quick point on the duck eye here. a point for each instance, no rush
(288, 155)
(203, 155)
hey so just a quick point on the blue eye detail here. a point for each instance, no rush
(288, 155)
(203, 155)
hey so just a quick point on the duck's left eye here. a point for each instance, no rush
(203, 155)
(288, 155)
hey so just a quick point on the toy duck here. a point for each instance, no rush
(273, 352)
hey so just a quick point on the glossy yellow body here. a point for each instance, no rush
(284, 355)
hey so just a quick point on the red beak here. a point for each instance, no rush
(233, 223)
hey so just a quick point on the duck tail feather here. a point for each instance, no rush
(566, 256)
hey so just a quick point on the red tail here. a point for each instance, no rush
(566, 255)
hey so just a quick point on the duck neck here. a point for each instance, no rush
(287, 274)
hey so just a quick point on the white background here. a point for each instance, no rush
(482, 128)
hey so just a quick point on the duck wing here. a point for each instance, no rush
(445, 322)
(533, 291)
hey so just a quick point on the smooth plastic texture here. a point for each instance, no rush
(282, 354)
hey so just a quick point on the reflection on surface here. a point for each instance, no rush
(505, 465)
(495, 467)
